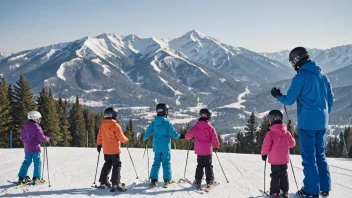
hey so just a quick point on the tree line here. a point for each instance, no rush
(71, 125)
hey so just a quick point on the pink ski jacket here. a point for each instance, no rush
(205, 135)
(277, 144)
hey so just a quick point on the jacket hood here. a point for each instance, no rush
(108, 123)
(311, 66)
(30, 125)
(279, 129)
(159, 120)
(202, 124)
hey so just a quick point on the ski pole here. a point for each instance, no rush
(189, 147)
(47, 164)
(293, 172)
(216, 153)
(132, 161)
(264, 175)
(146, 147)
(43, 161)
(96, 170)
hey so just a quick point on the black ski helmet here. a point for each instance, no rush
(205, 113)
(162, 109)
(110, 113)
(275, 116)
(298, 56)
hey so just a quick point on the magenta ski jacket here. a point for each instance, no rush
(205, 135)
(31, 137)
(277, 144)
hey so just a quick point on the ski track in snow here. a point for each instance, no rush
(72, 173)
(240, 101)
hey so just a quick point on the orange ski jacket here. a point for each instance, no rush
(110, 137)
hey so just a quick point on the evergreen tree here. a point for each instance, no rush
(250, 131)
(50, 118)
(130, 134)
(22, 104)
(240, 143)
(89, 119)
(335, 152)
(350, 153)
(341, 146)
(5, 115)
(77, 125)
(62, 110)
(260, 135)
(98, 121)
(329, 148)
(348, 138)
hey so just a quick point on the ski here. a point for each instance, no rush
(211, 187)
(191, 183)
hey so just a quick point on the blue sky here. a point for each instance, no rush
(259, 25)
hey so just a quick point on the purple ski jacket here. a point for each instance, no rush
(31, 137)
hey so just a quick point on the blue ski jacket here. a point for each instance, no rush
(312, 91)
(162, 129)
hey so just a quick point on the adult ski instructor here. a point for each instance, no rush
(312, 91)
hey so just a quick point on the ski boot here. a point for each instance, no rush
(197, 183)
(285, 194)
(325, 193)
(274, 195)
(36, 181)
(22, 180)
(167, 183)
(209, 183)
(301, 193)
(153, 183)
(104, 186)
(117, 187)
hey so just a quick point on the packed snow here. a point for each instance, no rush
(72, 173)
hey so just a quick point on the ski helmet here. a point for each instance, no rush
(110, 113)
(275, 116)
(162, 109)
(298, 56)
(34, 115)
(205, 113)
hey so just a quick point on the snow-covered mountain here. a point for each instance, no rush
(4, 55)
(329, 59)
(129, 71)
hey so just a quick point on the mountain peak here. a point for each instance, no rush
(194, 35)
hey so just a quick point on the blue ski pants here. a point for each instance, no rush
(28, 161)
(163, 158)
(315, 167)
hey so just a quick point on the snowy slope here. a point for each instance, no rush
(72, 173)
(4, 55)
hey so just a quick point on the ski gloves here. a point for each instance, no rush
(264, 157)
(216, 149)
(99, 148)
(182, 136)
(275, 92)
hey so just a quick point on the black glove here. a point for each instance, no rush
(264, 157)
(275, 92)
(99, 148)
(182, 136)
(146, 141)
(216, 149)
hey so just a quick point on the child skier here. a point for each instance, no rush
(205, 135)
(109, 137)
(163, 130)
(31, 136)
(277, 144)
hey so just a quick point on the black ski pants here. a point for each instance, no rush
(279, 179)
(111, 161)
(205, 162)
